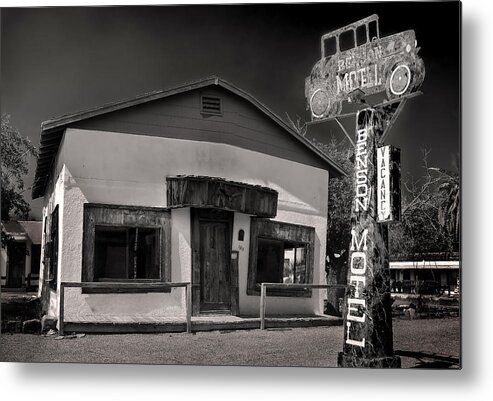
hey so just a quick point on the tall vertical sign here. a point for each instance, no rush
(388, 184)
(368, 317)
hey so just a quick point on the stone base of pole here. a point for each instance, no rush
(348, 361)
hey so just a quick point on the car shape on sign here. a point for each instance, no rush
(355, 62)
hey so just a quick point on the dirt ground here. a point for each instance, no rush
(430, 343)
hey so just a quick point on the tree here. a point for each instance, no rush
(15, 151)
(449, 211)
(340, 197)
(339, 204)
(430, 214)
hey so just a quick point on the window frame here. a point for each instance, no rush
(365, 28)
(128, 217)
(324, 47)
(377, 31)
(287, 233)
(349, 30)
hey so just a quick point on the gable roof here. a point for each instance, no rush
(52, 130)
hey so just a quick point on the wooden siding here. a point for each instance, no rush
(211, 192)
(241, 124)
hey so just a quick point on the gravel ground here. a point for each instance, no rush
(433, 343)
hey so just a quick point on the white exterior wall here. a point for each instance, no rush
(114, 168)
(54, 196)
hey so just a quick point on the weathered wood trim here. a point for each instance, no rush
(126, 207)
(265, 228)
(195, 243)
(54, 248)
(218, 193)
(61, 308)
(149, 285)
(188, 296)
(124, 290)
(247, 323)
(125, 216)
(121, 328)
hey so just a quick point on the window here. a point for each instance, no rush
(46, 247)
(373, 30)
(53, 249)
(280, 253)
(125, 243)
(346, 40)
(280, 262)
(361, 38)
(330, 46)
(126, 253)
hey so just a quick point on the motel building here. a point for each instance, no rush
(199, 184)
(428, 274)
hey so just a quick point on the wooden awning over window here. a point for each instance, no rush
(218, 193)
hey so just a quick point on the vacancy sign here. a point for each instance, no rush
(388, 184)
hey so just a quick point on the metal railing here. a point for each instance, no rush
(284, 286)
(132, 286)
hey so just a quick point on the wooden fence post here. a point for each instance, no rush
(188, 294)
(262, 306)
(61, 308)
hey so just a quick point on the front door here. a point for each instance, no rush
(212, 266)
(215, 277)
(16, 264)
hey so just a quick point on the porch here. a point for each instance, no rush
(205, 322)
(152, 324)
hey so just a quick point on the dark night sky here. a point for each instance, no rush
(61, 60)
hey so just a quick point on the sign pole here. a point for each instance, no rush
(368, 339)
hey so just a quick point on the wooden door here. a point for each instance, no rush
(215, 276)
(16, 264)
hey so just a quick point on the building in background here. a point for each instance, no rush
(433, 274)
(20, 254)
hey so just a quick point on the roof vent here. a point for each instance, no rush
(211, 105)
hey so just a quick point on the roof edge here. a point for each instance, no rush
(60, 123)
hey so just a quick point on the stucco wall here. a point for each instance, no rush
(54, 197)
(113, 168)
(82, 307)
